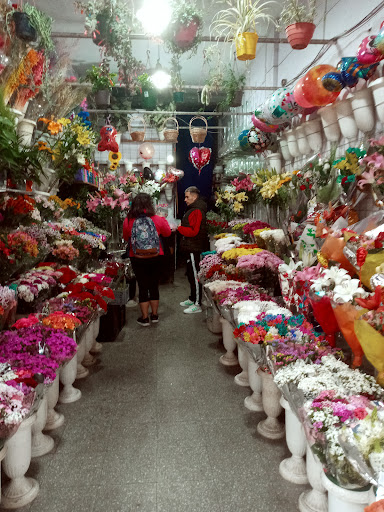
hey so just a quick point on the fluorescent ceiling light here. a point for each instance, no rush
(155, 16)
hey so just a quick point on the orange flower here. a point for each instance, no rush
(54, 127)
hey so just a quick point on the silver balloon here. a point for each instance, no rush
(176, 172)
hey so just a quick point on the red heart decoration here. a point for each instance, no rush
(200, 157)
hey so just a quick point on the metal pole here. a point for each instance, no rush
(191, 87)
(168, 112)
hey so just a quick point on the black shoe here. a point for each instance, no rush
(154, 318)
(144, 322)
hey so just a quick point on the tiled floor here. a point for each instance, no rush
(161, 427)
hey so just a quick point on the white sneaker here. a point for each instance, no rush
(186, 303)
(193, 309)
(131, 304)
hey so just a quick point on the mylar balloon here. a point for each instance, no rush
(108, 143)
(243, 139)
(378, 43)
(200, 157)
(313, 90)
(146, 150)
(351, 70)
(261, 125)
(299, 94)
(159, 174)
(367, 52)
(333, 81)
(259, 141)
(280, 107)
(176, 172)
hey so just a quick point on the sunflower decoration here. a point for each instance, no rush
(114, 158)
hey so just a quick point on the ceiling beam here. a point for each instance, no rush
(166, 112)
(204, 39)
(192, 87)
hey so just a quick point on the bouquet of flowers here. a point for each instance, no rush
(149, 187)
(369, 332)
(260, 260)
(287, 271)
(59, 320)
(8, 306)
(230, 202)
(235, 253)
(14, 407)
(301, 285)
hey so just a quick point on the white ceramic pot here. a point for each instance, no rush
(270, 428)
(284, 150)
(314, 134)
(292, 144)
(168, 190)
(229, 358)
(363, 110)
(25, 130)
(293, 469)
(160, 134)
(274, 160)
(20, 490)
(81, 371)
(54, 419)
(214, 324)
(18, 115)
(88, 359)
(68, 372)
(302, 142)
(377, 88)
(345, 117)
(96, 346)
(345, 500)
(254, 402)
(41, 443)
(314, 500)
(330, 124)
(241, 379)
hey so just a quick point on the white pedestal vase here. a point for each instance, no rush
(81, 371)
(345, 500)
(88, 359)
(18, 115)
(68, 372)
(214, 324)
(41, 443)
(254, 402)
(346, 119)
(25, 128)
(292, 143)
(330, 123)
(54, 419)
(241, 379)
(274, 160)
(168, 190)
(228, 359)
(314, 134)
(3, 453)
(377, 88)
(20, 490)
(284, 150)
(363, 110)
(302, 142)
(212, 242)
(314, 500)
(270, 428)
(96, 346)
(293, 469)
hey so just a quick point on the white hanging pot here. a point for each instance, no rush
(275, 161)
(292, 144)
(25, 128)
(302, 142)
(330, 123)
(168, 190)
(160, 134)
(314, 134)
(362, 106)
(345, 500)
(377, 88)
(346, 119)
(284, 150)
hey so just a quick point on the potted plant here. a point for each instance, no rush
(148, 92)
(42, 25)
(232, 85)
(297, 17)
(22, 26)
(238, 23)
(176, 81)
(184, 33)
(212, 85)
(102, 82)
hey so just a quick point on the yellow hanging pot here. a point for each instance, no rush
(246, 45)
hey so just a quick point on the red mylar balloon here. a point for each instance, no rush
(298, 93)
(313, 89)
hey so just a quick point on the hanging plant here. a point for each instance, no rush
(43, 26)
(297, 18)
(185, 28)
(232, 85)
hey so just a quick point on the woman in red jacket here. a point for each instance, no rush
(146, 269)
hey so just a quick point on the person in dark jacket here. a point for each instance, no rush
(194, 241)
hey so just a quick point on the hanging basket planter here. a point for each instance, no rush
(300, 34)
(149, 99)
(171, 134)
(246, 45)
(237, 99)
(178, 96)
(23, 27)
(185, 35)
(198, 133)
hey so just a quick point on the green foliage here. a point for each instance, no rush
(145, 82)
(43, 26)
(231, 84)
(100, 77)
(184, 12)
(297, 11)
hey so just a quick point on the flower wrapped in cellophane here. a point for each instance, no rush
(369, 329)
(301, 284)
(286, 274)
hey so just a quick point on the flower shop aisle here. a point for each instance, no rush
(161, 426)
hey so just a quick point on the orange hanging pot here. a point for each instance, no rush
(300, 34)
(246, 43)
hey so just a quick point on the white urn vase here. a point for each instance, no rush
(377, 88)
(18, 115)
(88, 359)
(229, 358)
(81, 348)
(241, 379)
(96, 346)
(68, 373)
(345, 500)
(314, 500)
(25, 128)
(330, 123)
(292, 143)
(212, 242)
(168, 190)
(214, 324)
(41, 443)
(20, 490)
(293, 469)
(363, 110)
(3, 453)
(54, 419)
(254, 402)
(270, 428)
(346, 119)
(275, 162)
(284, 150)
(314, 134)
(302, 142)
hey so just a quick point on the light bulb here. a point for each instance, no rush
(170, 159)
(155, 16)
(161, 79)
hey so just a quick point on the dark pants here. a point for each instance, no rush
(132, 288)
(193, 259)
(147, 272)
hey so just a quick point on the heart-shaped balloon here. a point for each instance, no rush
(176, 172)
(200, 157)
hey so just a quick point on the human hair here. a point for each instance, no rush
(193, 190)
(142, 205)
